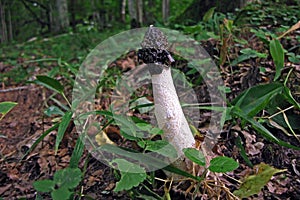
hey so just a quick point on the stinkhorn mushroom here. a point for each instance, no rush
(168, 111)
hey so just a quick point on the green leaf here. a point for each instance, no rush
(129, 180)
(195, 155)
(5, 107)
(162, 147)
(222, 164)
(53, 110)
(49, 83)
(66, 119)
(68, 177)
(247, 54)
(209, 14)
(146, 159)
(77, 152)
(40, 139)
(44, 185)
(255, 99)
(263, 131)
(238, 143)
(277, 54)
(61, 194)
(254, 183)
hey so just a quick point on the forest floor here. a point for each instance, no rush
(26, 122)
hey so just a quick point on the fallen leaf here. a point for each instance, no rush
(254, 183)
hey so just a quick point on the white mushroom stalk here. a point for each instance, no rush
(168, 111)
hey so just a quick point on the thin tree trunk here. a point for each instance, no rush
(165, 10)
(10, 26)
(3, 23)
(140, 11)
(123, 13)
(60, 19)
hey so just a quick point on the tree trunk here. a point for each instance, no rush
(165, 10)
(140, 11)
(123, 9)
(73, 14)
(10, 29)
(3, 27)
(198, 8)
(61, 19)
(133, 14)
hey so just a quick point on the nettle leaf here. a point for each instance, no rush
(277, 54)
(195, 155)
(49, 83)
(5, 107)
(66, 119)
(254, 183)
(68, 177)
(129, 180)
(223, 164)
(62, 193)
(44, 185)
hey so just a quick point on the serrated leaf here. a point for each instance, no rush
(129, 180)
(223, 164)
(68, 177)
(253, 184)
(5, 107)
(61, 194)
(44, 185)
(277, 54)
(195, 155)
(49, 83)
(66, 119)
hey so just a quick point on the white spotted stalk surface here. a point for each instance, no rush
(168, 111)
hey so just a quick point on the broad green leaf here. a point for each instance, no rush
(162, 147)
(254, 183)
(68, 177)
(254, 99)
(147, 160)
(49, 83)
(223, 164)
(61, 193)
(66, 119)
(277, 54)
(247, 54)
(44, 185)
(5, 107)
(144, 126)
(156, 131)
(129, 180)
(195, 155)
(53, 110)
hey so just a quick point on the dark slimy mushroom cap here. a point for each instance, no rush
(154, 38)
